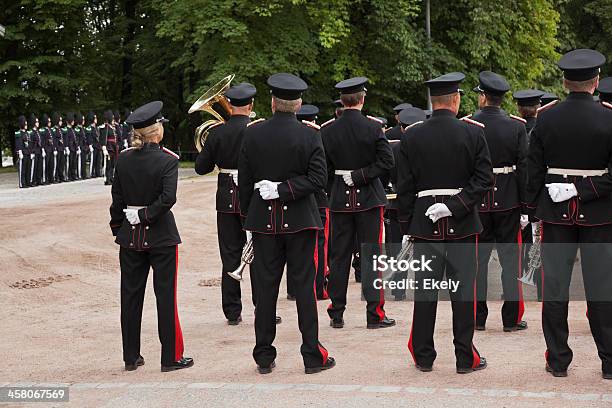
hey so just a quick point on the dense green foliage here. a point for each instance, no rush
(99, 54)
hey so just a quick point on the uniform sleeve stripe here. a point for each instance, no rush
(170, 152)
(518, 118)
(473, 122)
(328, 122)
(548, 105)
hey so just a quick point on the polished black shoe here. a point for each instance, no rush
(424, 368)
(278, 320)
(466, 370)
(133, 366)
(522, 325)
(290, 297)
(266, 370)
(480, 327)
(184, 362)
(606, 376)
(234, 322)
(336, 323)
(385, 322)
(562, 373)
(330, 363)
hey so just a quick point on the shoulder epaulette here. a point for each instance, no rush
(466, 117)
(607, 105)
(214, 125)
(375, 119)
(473, 122)
(18, 132)
(548, 105)
(394, 141)
(328, 122)
(255, 121)
(101, 126)
(420, 121)
(132, 148)
(170, 152)
(311, 124)
(517, 118)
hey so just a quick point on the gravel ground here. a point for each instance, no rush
(59, 307)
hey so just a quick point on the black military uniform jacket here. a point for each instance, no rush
(145, 177)
(443, 153)
(281, 149)
(46, 139)
(108, 137)
(81, 138)
(507, 141)
(222, 148)
(70, 138)
(529, 125)
(395, 149)
(354, 142)
(91, 136)
(22, 142)
(395, 133)
(35, 145)
(574, 134)
(58, 138)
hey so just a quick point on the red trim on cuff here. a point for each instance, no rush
(593, 185)
(291, 188)
(462, 202)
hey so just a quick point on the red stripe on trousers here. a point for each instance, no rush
(315, 258)
(178, 333)
(410, 341)
(521, 302)
(381, 299)
(325, 249)
(476, 356)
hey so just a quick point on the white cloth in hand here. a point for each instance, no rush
(67, 151)
(560, 192)
(268, 190)
(405, 239)
(348, 180)
(131, 215)
(105, 150)
(32, 155)
(20, 155)
(55, 152)
(437, 211)
(235, 178)
(44, 154)
(524, 221)
(91, 148)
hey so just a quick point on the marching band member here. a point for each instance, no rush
(500, 209)
(437, 201)
(222, 148)
(605, 90)
(569, 190)
(357, 155)
(395, 133)
(281, 168)
(143, 193)
(22, 151)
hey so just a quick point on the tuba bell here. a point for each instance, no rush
(213, 102)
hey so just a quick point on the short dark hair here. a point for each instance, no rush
(528, 111)
(494, 100)
(353, 99)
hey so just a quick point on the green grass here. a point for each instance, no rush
(186, 164)
(9, 169)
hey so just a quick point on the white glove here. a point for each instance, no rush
(132, 216)
(32, 155)
(78, 150)
(125, 144)
(348, 180)
(44, 154)
(235, 177)
(249, 235)
(437, 211)
(20, 155)
(268, 190)
(55, 152)
(105, 150)
(90, 148)
(524, 221)
(405, 239)
(67, 151)
(561, 191)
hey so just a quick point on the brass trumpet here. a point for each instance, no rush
(534, 255)
(214, 102)
(245, 259)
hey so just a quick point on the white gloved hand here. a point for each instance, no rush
(90, 148)
(44, 154)
(132, 216)
(55, 152)
(268, 190)
(78, 150)
(32, 156)
(249, 235)
(348, 180)
(524, 221)
(67, 151)
(437, 211)
(105, 150)
(20, 153)
(405, 239)
(561, 191)
(235, 178)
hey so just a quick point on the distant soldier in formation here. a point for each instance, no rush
(35, 151)
(60, 148)
(116, 123)
(127, 129)
(71, 146)
(108, 140)
(46, 137)
(395, 133)
(93, 142)
(22, 150)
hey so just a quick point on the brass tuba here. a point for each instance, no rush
(213, 102)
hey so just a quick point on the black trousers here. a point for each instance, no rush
(299, 252)
(356, 264)
(38, 169)
(134, 272)
(501, 230)
(60, 169)
(72, 165)
(231, 242)
(97, 158)
(559, 248)
(49, 166)
(24, 170)
(323, 267)
(457, 260)
(111, 159)
(368, 225)
(84, 159)
(393, 237)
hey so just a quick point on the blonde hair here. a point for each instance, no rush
(581, 86)
(150, 134)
